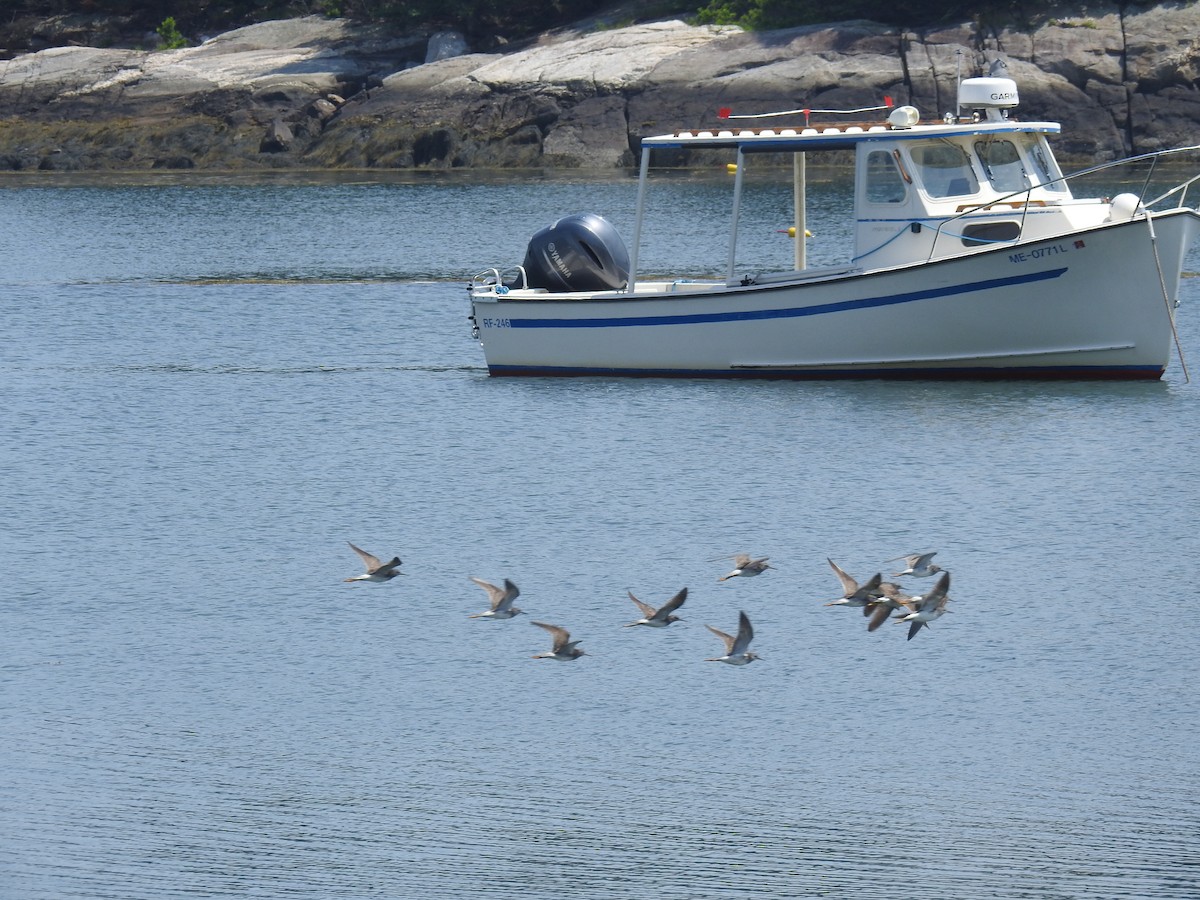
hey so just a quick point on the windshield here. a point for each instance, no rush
(1002, 164)
(1045, 166)
(944, 169)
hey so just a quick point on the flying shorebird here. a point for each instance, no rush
(890, 598)
(853, 593)
(501, 598)
(563, 648)
(661, 617)
(737, 652)
(917, 565)
(377, 571)
(929, 607)
(746, 567)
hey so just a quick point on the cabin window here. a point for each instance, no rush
(1002, 165)
(990, 233)
(1046, 167)
(884, 181)
(945, 169)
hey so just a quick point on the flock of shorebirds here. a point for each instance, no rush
(879, 600)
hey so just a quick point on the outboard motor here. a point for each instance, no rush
(577, 253)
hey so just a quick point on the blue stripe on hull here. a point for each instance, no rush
(749, 315)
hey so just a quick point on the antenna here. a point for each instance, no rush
(958, 55)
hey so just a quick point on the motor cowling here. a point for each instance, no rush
(582, 252)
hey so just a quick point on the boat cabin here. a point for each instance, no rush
(927, 195)
(922, 191)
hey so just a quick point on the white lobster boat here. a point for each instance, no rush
(972, 259)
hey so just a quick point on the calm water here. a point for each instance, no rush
(208, 388)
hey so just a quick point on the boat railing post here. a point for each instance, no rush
(800, 202)
(1146, 182)
(737, 208)
(639, 214)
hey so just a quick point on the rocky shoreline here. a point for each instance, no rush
(320, 93)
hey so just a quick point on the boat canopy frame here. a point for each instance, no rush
(798, 143)
(758, 141)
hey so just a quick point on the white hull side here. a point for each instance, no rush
(1085, 305)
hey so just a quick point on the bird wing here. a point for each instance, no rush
(880, 615)
(560, 636)
(495, 594)
(727, 638)
(922, 559)
(937, 597)
(511, 593)
(648, 611)
(741, 560)
(849, 585)
(869, 588)
(386, 567)
(371, 562)
(913, 628)
(673, 604)
(744, 636)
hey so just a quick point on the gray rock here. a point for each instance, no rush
(591, 135)
(1118, 82)
(278, 138)
(322, 109)
(446, 45)
(174, 162)
(590, 97)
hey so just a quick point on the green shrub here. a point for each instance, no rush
(169, 37)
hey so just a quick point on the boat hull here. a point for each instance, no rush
(1093, 304)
